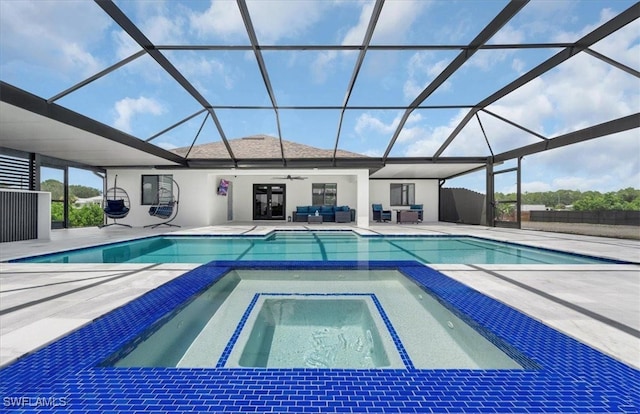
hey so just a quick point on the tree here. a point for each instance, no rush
(84, 216)
(629, 195)
(625, 199)
(81, 191)
(55, 187)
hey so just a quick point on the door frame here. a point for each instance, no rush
(269, 215)
(64, 224)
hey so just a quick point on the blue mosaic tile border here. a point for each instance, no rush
(392, 332)
(66, 377)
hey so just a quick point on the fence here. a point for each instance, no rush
(610, 217)
(459, 205)
(18, 215)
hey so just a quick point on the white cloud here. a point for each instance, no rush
(368, 123)
(355, 34)
(373, 152)
(421, 71)
(487, 60)
(542, 20)
(609, 162)
(567, 36)
(63, 37)
(272, 20)
(579, 93)
(416, 135)
(508, 35)
(200, 70)
(162, 30)
(529, 187)
(128, 108)
(284, 19)
(125, 45)
(222, 18)
(518, 65)
(323, 65)
(623, 45)
(396, 20)
(394, 24)
(432, 138)
(586, 91)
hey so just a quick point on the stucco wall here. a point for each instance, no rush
(196, 193)
(426, 193)
(298, 192)
(201, 206)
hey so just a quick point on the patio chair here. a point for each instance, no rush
(167, 202)
(419, 209)
(379, 214)
(115, 204)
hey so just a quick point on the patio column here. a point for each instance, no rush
(489, 199)
(362, 205)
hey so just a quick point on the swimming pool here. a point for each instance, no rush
(315, 245)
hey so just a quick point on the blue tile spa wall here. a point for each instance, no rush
(563, 375)
(385, 319)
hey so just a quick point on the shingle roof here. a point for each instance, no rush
(260, 146)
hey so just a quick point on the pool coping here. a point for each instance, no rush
(572, 376)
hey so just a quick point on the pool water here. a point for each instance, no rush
(347, 319)
(316, 333)
(312, 245)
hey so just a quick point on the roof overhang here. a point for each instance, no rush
(426, 170)
(30, 124)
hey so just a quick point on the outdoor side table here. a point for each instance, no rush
(314, 219)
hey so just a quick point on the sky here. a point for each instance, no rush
(49, 46)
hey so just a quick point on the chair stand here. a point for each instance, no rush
(166, 223)
(115, 223)
(166, 212)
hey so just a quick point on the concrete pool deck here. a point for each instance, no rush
(597, 304)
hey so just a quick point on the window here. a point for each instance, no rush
(156, 189)
(324, 194)
(403, 194)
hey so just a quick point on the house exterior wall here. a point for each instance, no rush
(298, 192)
(426, 193)
(200, 205)
(197, 189)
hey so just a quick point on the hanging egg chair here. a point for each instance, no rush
(167, 202)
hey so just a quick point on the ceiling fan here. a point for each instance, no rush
(291, 177)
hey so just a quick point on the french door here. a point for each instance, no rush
(269, 201)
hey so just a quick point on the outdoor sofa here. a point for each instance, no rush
(338, 214)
